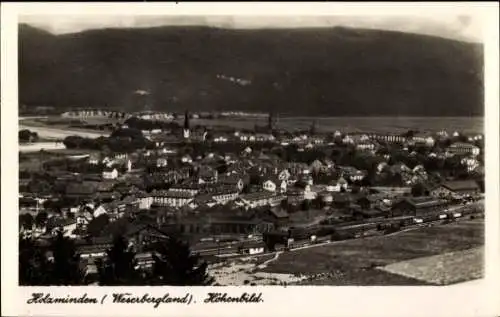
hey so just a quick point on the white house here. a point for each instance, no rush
(161, 162)
(348, 140)
(186, 159)
(110, 173)
(463, 148)
(273, 185)
(145, 201)
(99, 211)
(365, 146)
(470, 163)
(284, 175)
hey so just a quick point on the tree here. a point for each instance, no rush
(96, 225)
(73, 142)
(119, 266)
(176, 265)
(418, 190)
(355, 189)
(66, 265)
(41, 219)
(33, 264)
(26, 221)
(306, 204)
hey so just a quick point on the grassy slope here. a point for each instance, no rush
(353, 260)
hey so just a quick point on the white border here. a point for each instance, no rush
(469, 299)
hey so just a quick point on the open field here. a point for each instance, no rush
(46, 146)
(328, 124)
(61, 133)
(443, 269)
(355, 262)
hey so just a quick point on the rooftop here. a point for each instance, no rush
(461, 185)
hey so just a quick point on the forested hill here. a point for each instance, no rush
(319, 71)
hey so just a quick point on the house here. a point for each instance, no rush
(145, 200)
(204, 201)
(66, 226)
(95, 158)
(100, 210)
(232, 181)
(347, 139)
(279, 216)
(273, 184)
(225, 196)
(190, 188)
(341, 200)
(329, 164)
(110, 173)
(365, 146)
(171, 198)
(389, 138)
(252, 247)
(337, 185)
(470, 163)
(381, 167)
(284, 174)
(296, 168)
(187, 159)
(352, 173)
(456, 189)
(428, 141)
(207, 175)
(260, 199)
(460, 148)
(418, 206)
(161, 162)
(94, 248)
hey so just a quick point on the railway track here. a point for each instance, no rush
(326, 239)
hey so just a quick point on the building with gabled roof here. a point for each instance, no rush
(456, 189)
(417, 206)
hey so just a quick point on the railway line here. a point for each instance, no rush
(362, 230)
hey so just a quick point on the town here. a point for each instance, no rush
(231, 192)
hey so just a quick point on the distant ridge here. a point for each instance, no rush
(300, 72)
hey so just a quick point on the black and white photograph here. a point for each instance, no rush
(250, 150)
(263, 151)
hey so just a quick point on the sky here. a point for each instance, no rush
(460, 27)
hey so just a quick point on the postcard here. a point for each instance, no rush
(192, 159)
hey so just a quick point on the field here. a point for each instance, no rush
(59, 133)
(328, 124)
(443, 269)
(356, 262)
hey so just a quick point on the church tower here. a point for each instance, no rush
(186, 131)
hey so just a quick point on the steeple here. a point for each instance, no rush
(186, 125)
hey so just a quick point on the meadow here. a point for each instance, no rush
(358, 262)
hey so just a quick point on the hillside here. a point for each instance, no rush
(334, 71)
